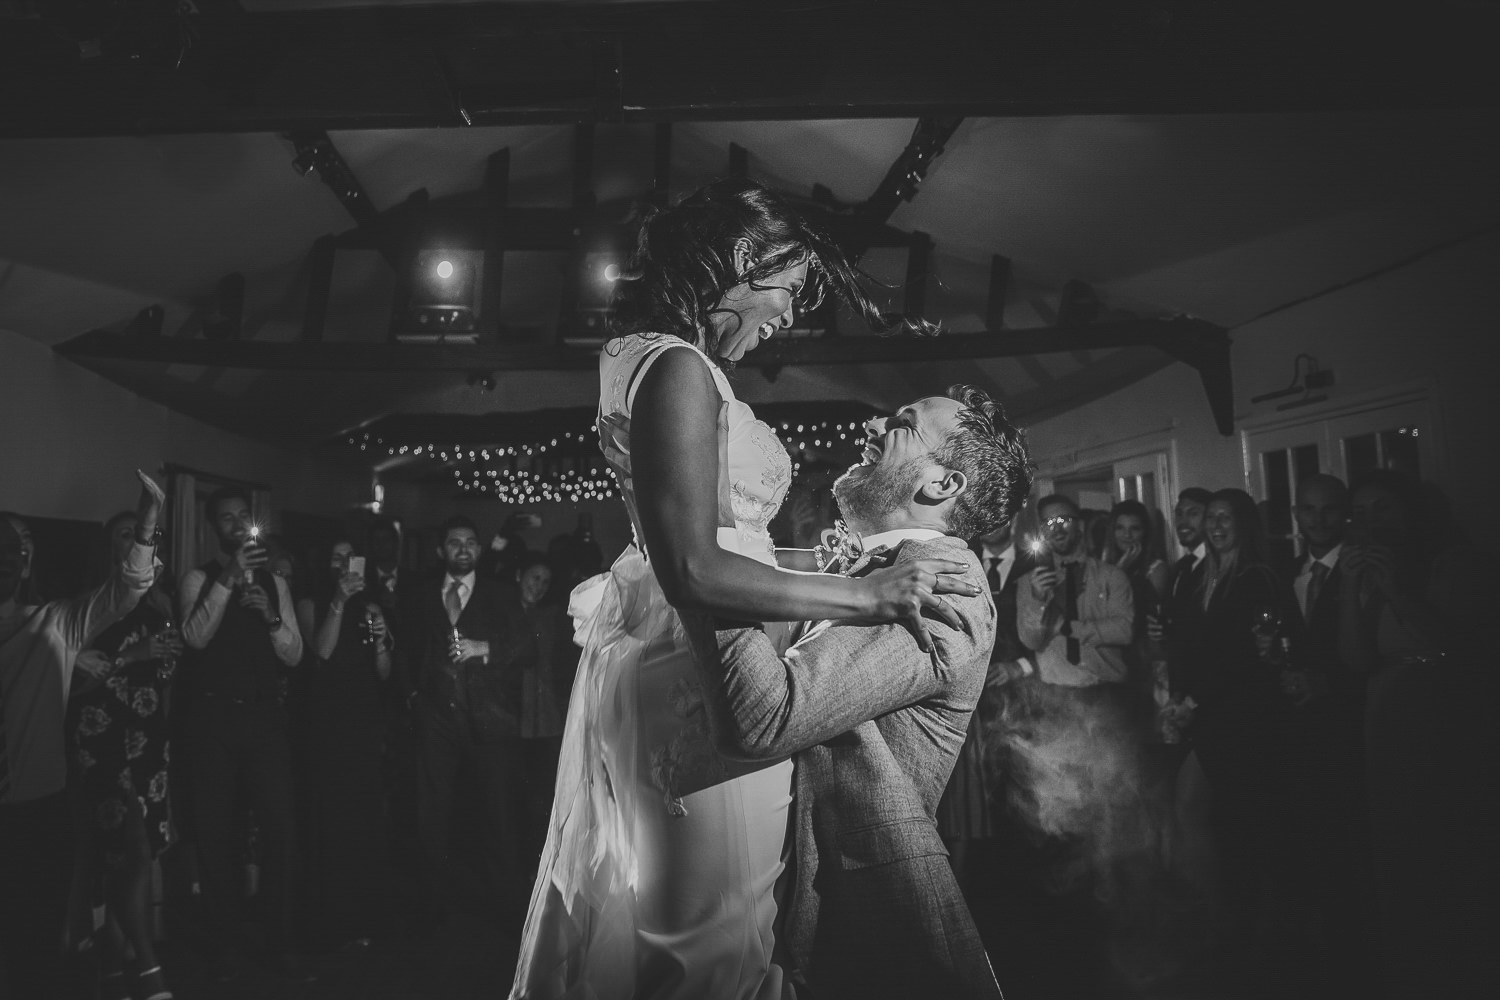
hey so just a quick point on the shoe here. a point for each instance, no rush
(151, 984)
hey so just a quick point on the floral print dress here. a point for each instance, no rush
(118, 745)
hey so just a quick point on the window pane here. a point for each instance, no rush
(1360, 455)
(1146, 490)
(1278, 481)
(1304, 462)
(1399, 451)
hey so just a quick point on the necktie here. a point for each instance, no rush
(1314, 587)
(1070, 610)
(993, 574)
(452, 602)
(1184, 570)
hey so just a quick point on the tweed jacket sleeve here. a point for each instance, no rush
(764, 706)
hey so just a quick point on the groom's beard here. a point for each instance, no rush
(867, 494)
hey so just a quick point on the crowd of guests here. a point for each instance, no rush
(320, 750)
(1302, 744)
(328, 748)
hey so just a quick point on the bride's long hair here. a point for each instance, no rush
(683, 264)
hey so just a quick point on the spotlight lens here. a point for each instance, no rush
(445, 269)
(612, 272)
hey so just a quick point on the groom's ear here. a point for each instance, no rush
(946, 486)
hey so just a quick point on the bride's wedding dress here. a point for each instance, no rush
(657, 876)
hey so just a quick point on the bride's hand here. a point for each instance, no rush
(901, 593)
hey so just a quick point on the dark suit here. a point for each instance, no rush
(876, 725)
(1008, 644)
(1184, 610)
(1332, 864)
(468, 718)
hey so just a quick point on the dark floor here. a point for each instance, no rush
(1045, 944)
(1033, 960)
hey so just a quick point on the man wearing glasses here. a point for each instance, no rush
(1076, 611)
(1077, 725)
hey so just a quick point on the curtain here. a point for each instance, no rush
(183, 515)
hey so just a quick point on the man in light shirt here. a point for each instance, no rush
(1076, 611)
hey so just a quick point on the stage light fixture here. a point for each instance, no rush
(444, 300)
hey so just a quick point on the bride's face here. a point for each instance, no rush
(755, 312)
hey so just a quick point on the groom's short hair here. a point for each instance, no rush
(992, 455)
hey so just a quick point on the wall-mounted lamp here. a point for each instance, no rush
(1303, 382)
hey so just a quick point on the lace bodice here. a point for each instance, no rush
(760, 471)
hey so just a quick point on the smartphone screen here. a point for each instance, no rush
(357, 565)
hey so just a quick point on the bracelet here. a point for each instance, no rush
(273, 624)
(153, 541)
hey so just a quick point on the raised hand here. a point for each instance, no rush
(1044, 580)
(902, 592)
(148, 508)
(349, 585)
(247, 559)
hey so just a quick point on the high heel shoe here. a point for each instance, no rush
(151, 984)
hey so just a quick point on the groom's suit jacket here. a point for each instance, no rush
(875, 724)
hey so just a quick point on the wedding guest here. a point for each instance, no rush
(1078, 712)
(39, 647)
(1326, 745)
(464, 677)
(1077, 611)
(343, 820)
(1239, 724)
(240, 627)
(118, 748)
(1414, 617)
(966, 812)
(545, 685)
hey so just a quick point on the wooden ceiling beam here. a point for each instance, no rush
(1179, 334)
(531, 63)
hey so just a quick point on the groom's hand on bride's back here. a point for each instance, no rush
(901, 594)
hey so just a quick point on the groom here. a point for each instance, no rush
(874, 722)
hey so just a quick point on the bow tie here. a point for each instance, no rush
(844, 547)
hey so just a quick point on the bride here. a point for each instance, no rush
(661, 856)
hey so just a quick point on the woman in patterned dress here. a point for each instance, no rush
(118, 752)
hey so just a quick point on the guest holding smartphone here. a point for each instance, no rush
(344, 822)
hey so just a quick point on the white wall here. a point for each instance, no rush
(70, 441)
(1432, 322)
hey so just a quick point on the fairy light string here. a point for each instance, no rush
(570, 468)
